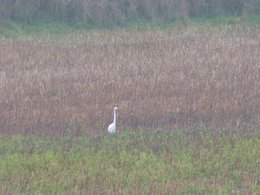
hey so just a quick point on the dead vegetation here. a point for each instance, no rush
(159, 80)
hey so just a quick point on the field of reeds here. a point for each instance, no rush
(164, 80)
(188, 117)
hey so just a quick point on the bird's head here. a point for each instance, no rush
(115, 108)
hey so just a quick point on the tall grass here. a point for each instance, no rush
(189, 111)
(159, 79)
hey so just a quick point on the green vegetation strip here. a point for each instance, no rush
(16, 29)
(194, 161)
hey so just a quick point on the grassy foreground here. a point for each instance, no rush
(194, 161)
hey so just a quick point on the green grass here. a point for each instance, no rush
(14, 29)
(195, 161)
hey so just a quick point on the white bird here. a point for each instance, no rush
(112, 127)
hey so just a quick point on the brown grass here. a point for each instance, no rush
(159, 80)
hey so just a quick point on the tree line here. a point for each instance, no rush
(120, 12)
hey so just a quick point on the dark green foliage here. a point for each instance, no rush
(235, 7)
(117, 12)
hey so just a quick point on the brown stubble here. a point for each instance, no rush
(159, 80)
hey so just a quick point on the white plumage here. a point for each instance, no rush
(112, 127)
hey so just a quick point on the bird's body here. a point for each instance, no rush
(112, 127)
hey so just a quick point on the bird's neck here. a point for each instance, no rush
(114, 121)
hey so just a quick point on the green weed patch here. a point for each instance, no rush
(181, 162)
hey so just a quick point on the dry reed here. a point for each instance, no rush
(159, 80)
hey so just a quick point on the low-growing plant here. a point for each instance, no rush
(131, 162)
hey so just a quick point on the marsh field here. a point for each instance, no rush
(188, 117)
